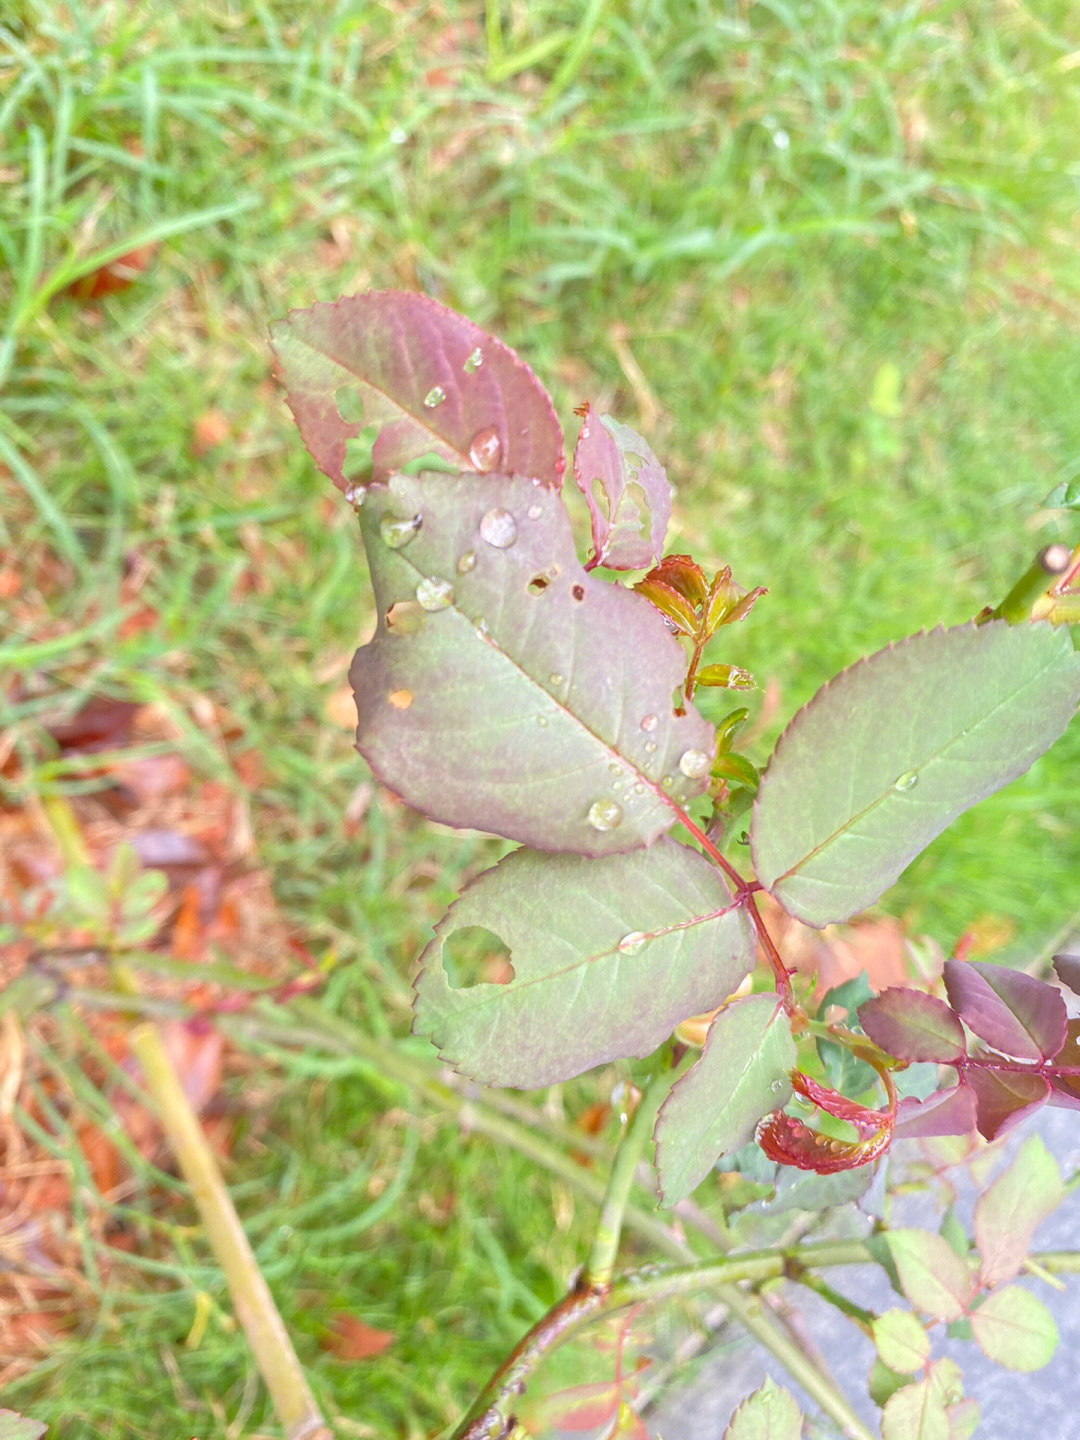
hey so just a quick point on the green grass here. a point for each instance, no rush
(839, 242)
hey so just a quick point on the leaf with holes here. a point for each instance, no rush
(1013, 1012)
(1014, 1328)
(741, 1074)
(506, 689)
(1009, 1211)
(912, 1026)
(628, 530)
(889, 753)
(608, 956)
(422, 381)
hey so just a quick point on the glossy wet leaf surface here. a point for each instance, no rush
(539, 697)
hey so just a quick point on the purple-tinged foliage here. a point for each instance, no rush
(628, 528)
(912, 1026)
(1013, 1012)
(946, 1112)
(429, 381)
(508, 690)
(1004, 1097)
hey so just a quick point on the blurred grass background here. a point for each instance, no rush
(823, 255)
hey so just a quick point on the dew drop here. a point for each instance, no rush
(354, 496)
(615, 767)
(632, 943)
(907, 781)
(499, 528)
(435, 396)
(649, 722)
(397, 533)
(667, 782)
(694, 764)
(466, 562)
(604, 814)
(650, 746)
(485, 449)
(535, 511)
(541, 720)
(556, 679)
(639, 789)
(434, 594)
(473, 361)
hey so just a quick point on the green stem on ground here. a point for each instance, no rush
(621, 1179)
(255, 1309)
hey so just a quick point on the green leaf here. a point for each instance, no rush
(889, 753)
(608, 956)
(768, 1414)
(19, 1427)
(932, 1276)
(901, 1341)
(506, 689)
(921, 1411)
(741, 1075)
(1010, 1210)
(1015, 1329)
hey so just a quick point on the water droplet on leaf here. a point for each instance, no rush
(435, 396)
(604, 814)
(354, 495)
(667, 782)
(649, 722)
(541, 720)
(397, 533)
(466, 562)
(556, 679)
(908, 780)
(499, 528)
(485, 448)
(535, 511)
(694, 764)
(434, 594)
(473, 361)
(650, 746)
(632, 943)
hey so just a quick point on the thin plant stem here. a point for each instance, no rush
(281, 1370)
(605, 1245)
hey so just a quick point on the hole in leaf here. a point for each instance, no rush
(405, 617)
(357, 464)
(538, 583)
(475, 956)
(350, 404)
(578, 592)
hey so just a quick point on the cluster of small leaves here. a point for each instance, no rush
(1007, 1035)
(509, 688)
(966, 1289)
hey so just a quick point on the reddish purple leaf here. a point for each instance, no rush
(947, 1112)
(1065, 1089)
(1004, 1097)
(428, 381)
(788, 1141)
(1068, 971)
(865, 1119)
(507, 690)
(628, 530)
(912, 1026)
(1013, 1012)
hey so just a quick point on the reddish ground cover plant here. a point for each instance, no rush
(512, 688)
